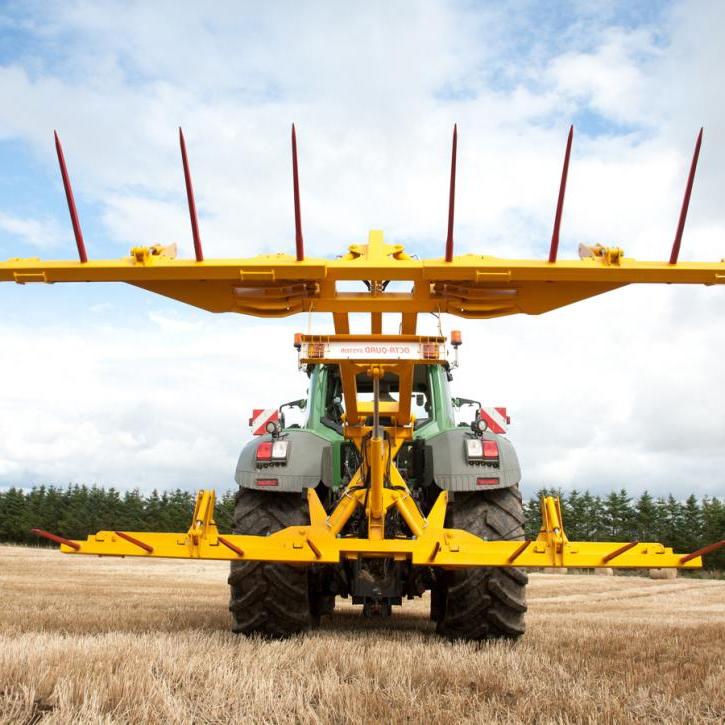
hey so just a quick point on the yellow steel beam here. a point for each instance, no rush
(278, 285)
(318, 543)
(377, 450)
(448, 548)
(267, 271)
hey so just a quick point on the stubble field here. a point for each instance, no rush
(106, 640)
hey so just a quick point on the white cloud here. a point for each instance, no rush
(621, 390)
(610, 80)
(39, 233)
(133, 405)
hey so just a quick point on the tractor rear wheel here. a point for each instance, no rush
(273, 600)
(483, 602)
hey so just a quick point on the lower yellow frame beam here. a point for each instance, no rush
(317, 543)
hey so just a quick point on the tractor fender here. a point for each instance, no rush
(451, 470)
(302, 469)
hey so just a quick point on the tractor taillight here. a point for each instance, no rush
(486, 481)
(274, 451)
(481, 451)
(490, 450)
(267, 482)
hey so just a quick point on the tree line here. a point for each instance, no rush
(684, 525)
(76, 511)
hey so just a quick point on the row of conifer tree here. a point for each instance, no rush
(76, 511)
(684, 525)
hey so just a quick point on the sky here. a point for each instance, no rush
(110, 385)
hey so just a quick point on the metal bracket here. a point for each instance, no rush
(203, 525)
(611, 255)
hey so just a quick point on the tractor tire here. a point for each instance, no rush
(483, 602)
(271, 600)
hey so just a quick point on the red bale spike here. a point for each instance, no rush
(299, 243)
(452, 196)
(71, 201)
(519, 550)
(198, 252)
(618, 552)
(135, 542)
(686, 201)
(554, 249)
(436, 549)
(57, 539)
(229, 545)
(315, 549)
(701, 552)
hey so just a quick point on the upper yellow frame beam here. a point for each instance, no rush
(278, 285)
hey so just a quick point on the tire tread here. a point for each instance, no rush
(271, 600)
(485, 602)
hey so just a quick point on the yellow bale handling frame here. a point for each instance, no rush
(470, 286)
(477, 282)
(435, 546)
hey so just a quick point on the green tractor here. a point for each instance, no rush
(276, 468)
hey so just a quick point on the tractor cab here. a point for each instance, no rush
(431, 404)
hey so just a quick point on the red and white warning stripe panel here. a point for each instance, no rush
(260, 418)
(496, 419)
